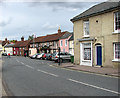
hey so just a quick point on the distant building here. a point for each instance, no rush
(71, 44)
(9, 48)
(46, 44)
(63, 42)
(21, 47)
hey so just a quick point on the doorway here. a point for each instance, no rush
(99, 55)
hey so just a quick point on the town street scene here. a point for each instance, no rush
(60, 48)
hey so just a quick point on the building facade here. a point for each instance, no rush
(63, 42)
(21, 47)
(97, 36)
(9, 48)
(71, 45)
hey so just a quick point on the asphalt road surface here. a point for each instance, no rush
(31, 77)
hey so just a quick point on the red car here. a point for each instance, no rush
(44, 56)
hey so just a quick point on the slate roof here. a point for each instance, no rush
(66, 35)
(72, 37)
(98, 9)
(9, 45)
(48, 38)
(4, 42)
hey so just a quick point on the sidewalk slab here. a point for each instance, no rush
(99, 70)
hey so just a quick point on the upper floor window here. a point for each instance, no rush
(86, 28)
(117, 22)
(65, 42)
(61, 43)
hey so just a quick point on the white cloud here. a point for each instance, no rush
(50, 26)
(4, 23)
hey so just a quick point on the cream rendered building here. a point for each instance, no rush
(97, 36)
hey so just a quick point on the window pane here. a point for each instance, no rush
(87, 51)
(86, 27)
(117, 51)
(117, 20)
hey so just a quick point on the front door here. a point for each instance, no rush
(99, 55)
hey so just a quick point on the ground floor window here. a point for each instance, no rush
(87, 51)
(117, 51)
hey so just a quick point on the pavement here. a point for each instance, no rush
(98, 70)
(2, 90)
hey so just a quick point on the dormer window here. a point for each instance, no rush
(86, 28)
(117, 22)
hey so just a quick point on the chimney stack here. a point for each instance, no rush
(59, 30)
(22, 38)
(6, 39)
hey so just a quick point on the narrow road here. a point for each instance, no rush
(31, 77)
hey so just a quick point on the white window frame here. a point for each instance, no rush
(115, 31)
(87, 21)
(66, 43)
(61, 43)
(115, 59)
(82, 61)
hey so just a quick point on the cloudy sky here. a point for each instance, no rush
(40, 18)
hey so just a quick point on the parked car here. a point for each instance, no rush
(48, 56)
(39, 55)
(63, 56)
(34, 56)
(44, 56)
(4, 54)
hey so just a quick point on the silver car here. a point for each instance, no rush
(63, 56)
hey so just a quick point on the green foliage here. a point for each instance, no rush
(30, 37)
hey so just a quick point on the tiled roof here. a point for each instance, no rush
(98, 9)
(48, 38)
(21, 43)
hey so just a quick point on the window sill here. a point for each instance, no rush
(115, 60)
(115, 32)
(86, 36)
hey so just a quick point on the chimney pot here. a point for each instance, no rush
(22, 38)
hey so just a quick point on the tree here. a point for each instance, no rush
(30, 37)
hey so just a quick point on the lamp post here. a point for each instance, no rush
(59, 56)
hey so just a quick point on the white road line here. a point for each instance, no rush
(22, 63)
(94, 86)
(29, 66)
(47, 73)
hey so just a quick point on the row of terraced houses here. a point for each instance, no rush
(96, 37)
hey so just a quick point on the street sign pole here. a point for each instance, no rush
(59, 56)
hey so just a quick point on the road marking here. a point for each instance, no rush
(47, 73)
(93, 86)
(29, 66)
(22, 63)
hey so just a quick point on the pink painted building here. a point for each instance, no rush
(63, 42)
